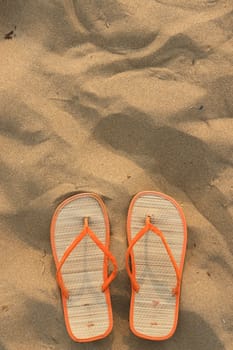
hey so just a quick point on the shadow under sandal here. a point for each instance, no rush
(80, 244)
(157, 238)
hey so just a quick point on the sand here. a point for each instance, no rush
(115, 97)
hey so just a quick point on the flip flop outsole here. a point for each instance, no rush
(153, 309)
(88, 311)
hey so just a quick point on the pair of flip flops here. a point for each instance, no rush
(80, 237)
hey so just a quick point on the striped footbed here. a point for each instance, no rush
(82, 273)
(154, 305)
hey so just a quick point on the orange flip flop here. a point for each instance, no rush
(80, 237)
(157, 238)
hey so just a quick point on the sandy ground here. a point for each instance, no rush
(115, 97)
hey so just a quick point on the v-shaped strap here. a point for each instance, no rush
(86, 231)
(132, 275)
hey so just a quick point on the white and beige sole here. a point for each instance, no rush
(154, 310)
(87, 311)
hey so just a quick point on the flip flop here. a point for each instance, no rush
(157, 237)
(80, 237)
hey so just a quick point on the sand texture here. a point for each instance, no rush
(115, 97)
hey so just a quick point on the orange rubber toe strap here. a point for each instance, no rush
(86, 231)
(132, 275)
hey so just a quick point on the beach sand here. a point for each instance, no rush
(115, 97)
